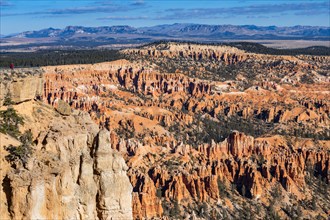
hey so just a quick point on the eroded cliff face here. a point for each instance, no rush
(202, 148)
(21, 84)
(228, 55)
(222, 63)
(212, 173)
(73, 173)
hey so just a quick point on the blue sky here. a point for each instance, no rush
(24, 15)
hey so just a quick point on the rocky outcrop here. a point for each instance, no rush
(73, 172)
(146, 204)
(226, 54)
(63, 108)
(22, 85)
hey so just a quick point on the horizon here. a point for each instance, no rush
(19, 16)
(169, 24)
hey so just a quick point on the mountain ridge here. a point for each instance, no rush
(183, 30)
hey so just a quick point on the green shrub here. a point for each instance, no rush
(21, 152)
(9, 122)
(7, 101)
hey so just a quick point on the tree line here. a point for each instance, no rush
(57, 57)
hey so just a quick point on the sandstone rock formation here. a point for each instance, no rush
(229, 55)
(22, 85)
(73, 172)
(63, 108)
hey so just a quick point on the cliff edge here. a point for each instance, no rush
(71, 171)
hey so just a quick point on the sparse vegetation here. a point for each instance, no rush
(223, 191)
(207, 129)
(159, 192)
(7, 100)
(10, 121)
(21, 152)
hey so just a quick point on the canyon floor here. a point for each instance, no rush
(200, 131)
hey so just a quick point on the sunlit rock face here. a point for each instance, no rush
(73, 173)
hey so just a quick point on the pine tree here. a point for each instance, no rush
(8, 101)
(9, 122)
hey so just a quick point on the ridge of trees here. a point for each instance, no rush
(57, 57)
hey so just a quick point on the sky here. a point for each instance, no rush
(26, 15)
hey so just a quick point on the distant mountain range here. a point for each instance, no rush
(188, 30)
(98, 36)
